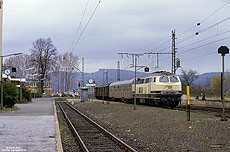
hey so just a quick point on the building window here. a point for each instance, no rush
(47, 84)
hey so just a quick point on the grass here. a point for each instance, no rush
(63, 136)
(9, 109)
(212, 98)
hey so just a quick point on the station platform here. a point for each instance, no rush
(30, 128)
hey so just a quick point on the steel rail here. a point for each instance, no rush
(114, 138)
(82, 144)
(216, 111)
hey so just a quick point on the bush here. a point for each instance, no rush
(9, 94)
(26, 95)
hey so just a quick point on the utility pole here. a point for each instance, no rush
(135, 83)
(66, 80)
(118, 71)
(175, 61)
(83, 75)
(21, 88)
(134, 64)
(173, 52)
(103, 90)
(58, 81)
(1, 20)
(107, 77)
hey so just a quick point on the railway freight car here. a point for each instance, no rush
(102, 91)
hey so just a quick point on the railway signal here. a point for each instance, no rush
(79, 84)
(223, 50)
(146, 69)
(13, 70)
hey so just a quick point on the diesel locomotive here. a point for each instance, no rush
(158, 88)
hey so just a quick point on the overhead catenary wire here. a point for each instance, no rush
(211, 26)
(205, 39)
(82, 18)
(203, 30)
(86, 25)
(194, 58)
(199, 56)
(155, 42)
(198, 24)
(215, 11)
(197, 47)
(182, 52)
(186, 51)
(192, 36)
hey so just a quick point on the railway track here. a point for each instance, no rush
(216, 111)
(91, 136)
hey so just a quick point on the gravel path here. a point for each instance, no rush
(158, 129)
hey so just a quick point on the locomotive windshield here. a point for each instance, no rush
(174, 79)
(164, 79)
(169, 79)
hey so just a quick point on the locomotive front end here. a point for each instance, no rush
(167, 90)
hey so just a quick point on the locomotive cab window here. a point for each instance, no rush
(154, 79)
(164, 79)
(148, 80)
(174, 79)
(139, 81)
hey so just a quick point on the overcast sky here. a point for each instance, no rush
(131, 26)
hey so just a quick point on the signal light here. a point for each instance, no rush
(13, 69)
(79, 84)
(146, 69)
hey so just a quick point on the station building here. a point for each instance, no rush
(34, 86)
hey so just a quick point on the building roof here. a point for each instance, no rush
(4, 76)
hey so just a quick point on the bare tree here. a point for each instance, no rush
(43, 55)
(72, 62)
(66, 65)
(21, 63)
(189, 76)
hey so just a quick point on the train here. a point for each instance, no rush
(159, 88)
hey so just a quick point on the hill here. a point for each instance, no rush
(202, 79)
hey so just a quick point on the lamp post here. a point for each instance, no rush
(223, 50)
(2, 75)
(1, 16)
(103, 88)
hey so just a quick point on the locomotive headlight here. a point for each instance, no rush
(163, 92)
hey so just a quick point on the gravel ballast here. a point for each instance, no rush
(69, 143)
(158, 129)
